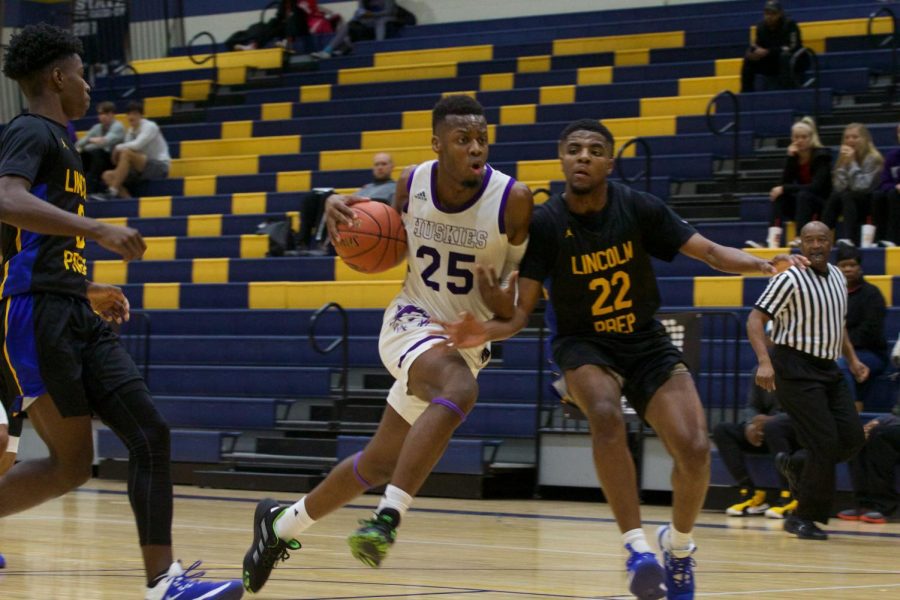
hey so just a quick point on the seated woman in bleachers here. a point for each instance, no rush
(373, 20)
(805, 181)
(853, 180)
(886, 200)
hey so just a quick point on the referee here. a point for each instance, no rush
(809, 307)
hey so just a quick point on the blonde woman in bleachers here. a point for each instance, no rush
(805, 181)
(854, 178)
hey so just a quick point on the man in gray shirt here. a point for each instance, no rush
(97, 145)
(143, 156)
(380, 189)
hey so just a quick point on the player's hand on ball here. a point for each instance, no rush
(500, 299)
(109, 302)
(467, 332)
(337, 210)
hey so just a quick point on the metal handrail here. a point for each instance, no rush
(814, 81)
(734, 127)
(213, 56)
(133, 92)
(343, 342)
(648, 161)
(884, 10)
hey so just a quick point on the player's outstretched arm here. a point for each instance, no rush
(469, 332)
(20, 208)
(732, 260)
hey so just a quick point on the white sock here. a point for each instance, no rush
(293, 521)
(395, 498)
(637, 540)
(680, 544)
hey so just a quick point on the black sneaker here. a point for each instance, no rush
(267, 548)
(808, 530)
(371, 542)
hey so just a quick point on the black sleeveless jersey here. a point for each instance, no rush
(597, 267)
(39, 150)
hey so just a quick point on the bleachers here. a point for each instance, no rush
(230, 325)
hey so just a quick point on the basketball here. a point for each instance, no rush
(375, 242)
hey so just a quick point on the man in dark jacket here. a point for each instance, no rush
(777, 38)
(872, 471)
(866, 312)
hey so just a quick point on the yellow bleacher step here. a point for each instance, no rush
(223, 165)
(618, 43)
(387, 139)
(267, 58)
(282, 144)
(696, 86)
(335, 160)
(405, 58)
(441, 70)
(310, 295)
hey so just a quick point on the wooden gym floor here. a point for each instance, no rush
(83, 546)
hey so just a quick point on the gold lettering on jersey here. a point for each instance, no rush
(454, 235)
(76, 183)
(72, 261)
(621, 324)
(601, 260)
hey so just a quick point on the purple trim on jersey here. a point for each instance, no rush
(449, 404)
(409, 181)
(502, 218)
(437, 203)
(417, 344)
(362, 480)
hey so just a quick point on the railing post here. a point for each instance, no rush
(212, 56)
(648, 161)
(814, 81)
(734, 127)
(884, 10)
(343, 341)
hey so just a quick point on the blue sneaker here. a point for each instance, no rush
(646, 577)
(2, 562)
(679, 571)
(182, 584)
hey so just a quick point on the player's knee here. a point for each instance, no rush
(462, 394)
(73, 471)
(605, 418)
(692, 452)
(4, 438)
(374, 472)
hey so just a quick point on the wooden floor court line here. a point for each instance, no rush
(477, 513)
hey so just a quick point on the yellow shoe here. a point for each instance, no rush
(750, 504)
(786, 506)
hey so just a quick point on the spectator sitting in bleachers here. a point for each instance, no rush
(294, 19)
(143, 156)
(373, 19)
(97, 145)
(886, 200)
(777, 38)
(381, 189)
(854, 177)
(866, 312)
(805, 183)
(872, 472)
(765, 430)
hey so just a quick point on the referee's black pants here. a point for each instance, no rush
(813, 392)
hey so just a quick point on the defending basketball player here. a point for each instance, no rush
(593, 244)
(61, 361)
(458, 212)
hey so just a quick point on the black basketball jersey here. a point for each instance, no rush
(39, 150)
(601, 280)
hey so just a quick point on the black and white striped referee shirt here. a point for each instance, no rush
(808, 310)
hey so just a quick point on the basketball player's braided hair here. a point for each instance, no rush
(36, 47)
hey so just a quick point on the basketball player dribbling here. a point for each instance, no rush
(458, 213)
(61, 362)
(593, 245)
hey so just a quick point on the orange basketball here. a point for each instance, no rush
(376, 241)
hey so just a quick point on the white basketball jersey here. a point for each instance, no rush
(445, 244)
